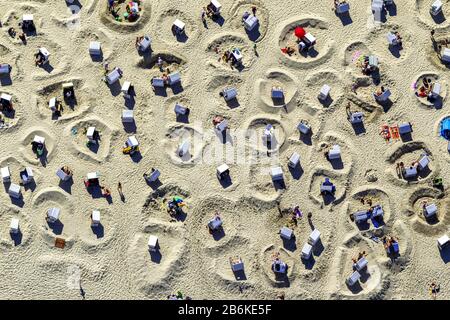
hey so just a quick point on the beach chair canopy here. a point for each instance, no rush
(314, 237)
(179, 25)
(335, 152)
(152, 242)
(127, 116)
(216, 5)
(90, 132)
(14, 225)
(446, 55)
(6, 98)
(361, 264)
(309, 39)
(132, 142)
(215, 223)
(303, 128)
(250, 23)
(6, 174)
(404, 128)
(113, 76)
(436, 8)
(277, 93)
(306, 251)
(62, 175)
(276, 173)
(14, 190)
(174, 78)
(354, 278)
(39, 139)
(443, 241)
(53, 214)
(5, 68)
(430, 210)
(324, 92)
(294, 160)
(286, 233)
(343, 7)
(95, 217)
(95, 48)
(229, 94)
(145, 43)
(223, 125)
(158, 82)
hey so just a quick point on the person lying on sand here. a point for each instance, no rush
(105, 191)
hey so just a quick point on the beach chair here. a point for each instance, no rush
(286, 233)
(361, 264)
(410, 172)
(180, 110)
(154, 175)
(276, 173)
(388, 2)
(92, 178)
(377, 8)
(279, 266)
(392, 39)
(127, 116)
(395, 248)
(174, 78)
(237, 55)
(131, 145)
(436, 8)
(304, 128)
(373, 62)
(229, 94)
(27, 21)
(436, 91)
(215, 7)
(236, 264)
(153, 243)
(95, 218)
(377, 212)
(179, 26)
(158, 82)
(183, 148)
(113, 76)
(306, 251)
(126, 89)
(361, 216)
(215, 223)
(14, 226)
(383, 97)
(53, 215)
(27, 175)
(445, 56)
(335, 152)
(405, 128)
(5, 68)
(443, 242)
(294, 160)
(324, 92)
(309, 40)
(343, 8)
(277, 93)
(356, 117)
(223, 171)
(314, 237)
(423, 162)
(6, 99)
(95, 48)
(250, 23)
(14, 191)
(91, 135)
(353, 279)
(6, 174)
(45, 55)
(448, 146)
(62, 175)
(430, 210)
(52, 104)
(145, 43)
(68, 90)
(222, 126)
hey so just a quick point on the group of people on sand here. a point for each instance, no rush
(388, 242)
(425, 89)
(361, 255)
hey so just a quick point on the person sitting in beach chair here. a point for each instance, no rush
(6, 103)
(278, 266)
(92, 180)
(38, 145)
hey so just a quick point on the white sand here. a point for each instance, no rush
(114, 263)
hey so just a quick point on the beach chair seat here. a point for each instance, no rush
(443, 242)
(286, 233)
(237, 264)
(27, 21)
(356, 117)
(90, 134)
(14, 191)
(373, 62)
(126, 89)
(215, 223)
(324, 92)
(145, 43)
(132, 142)
(229, 94)
(314, 237)
(113, 76)
(5, 68)
(14, 226)
(215, 6)
(423, 162)
(6, 98)
(127, 116)
(353, 279)
(95, 48)
(335, 152)
(309, 39)
(436, 8)
(445, 55)
(304, 128)
(294, 160)
(306, 251)
(53, 214)
(361, 216)
(327, 188)
(361, 264)
(250, 23)
(52, 104)
(410, 172)
(45, 55)
(377, 8)
(153, 243)
(95, 218)
(154, 175)
(396, 247)
(276, 173)
(6, 174)
(174, 78)
(343, 8)
(223, 171)
(430, 210)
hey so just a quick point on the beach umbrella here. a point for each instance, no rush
(299, 32)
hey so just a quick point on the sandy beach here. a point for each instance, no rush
(113, 261)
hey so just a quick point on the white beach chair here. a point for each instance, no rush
(324, 92)
(314, 237)
(27, 176)
(294, 160)
(5, 68)
(95, 218)
(335, 152)
(223, 171)
(250, 23)
(229, 94)
(306, 251)
(127, 116)
(361, 264)
(113, 76)
(309, 39)
(132, 142)
(6, 174)
(443, 242)
(237, 55)
(52, 104)
(377, 8)
(44, 54)
(7, 98)
(436, 91)
(153, 243)
(430, 210)
(354, 278)
(95, 48)
(154, 175)
(14, 226)
(361, 216)
(14, 191)
(392, 39)
(126, 89)
(215, 6)
(276, 173)
(436, 8)
(27, 21)
(174, 78)
(423, 162)
(286, 233)
(90, 134)
(215, 223)
(145, 43)
(179, 26)
(53, 215)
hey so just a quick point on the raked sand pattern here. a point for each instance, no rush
(112, 261)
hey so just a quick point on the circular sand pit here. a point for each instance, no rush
(137, 22)
(236, 12)
(317, 178)
(223, 81)
(430, 80)
(11, 118)
(397, 53)
(277, 81)
(315, 82)
(256, 137)
(27, 149)
(424, 15)
(321, 51)
(167, 33)
(183, 144)
(25, 232)
(331, 142)
(97, 237)
(278, 280)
